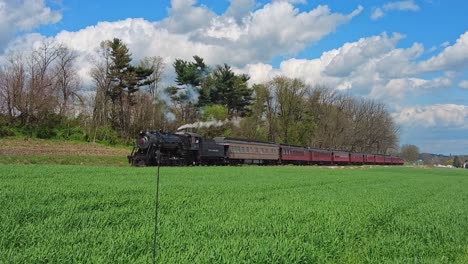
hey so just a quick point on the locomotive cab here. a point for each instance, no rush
(193, 139)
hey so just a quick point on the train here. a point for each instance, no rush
(190, 149)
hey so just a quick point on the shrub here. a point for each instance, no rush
(6, 132)
(107, 135)
(45, 132)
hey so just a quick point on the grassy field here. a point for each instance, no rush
(53, 152)
(65, 160)
(62, 214)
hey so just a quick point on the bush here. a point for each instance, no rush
(6, 132)
(77, 136)
(215, 112)
(70, 132)
(45, 132)
(5, 129)
(107, 135)
(46, 128)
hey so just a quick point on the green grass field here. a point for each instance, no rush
(64, 214)
(64, 160)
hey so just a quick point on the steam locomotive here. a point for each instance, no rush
(185, 148)
(175, 149)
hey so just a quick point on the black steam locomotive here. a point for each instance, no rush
(175, 149)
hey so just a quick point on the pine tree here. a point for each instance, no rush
(126, 81)
(224, 87)
(189, 77)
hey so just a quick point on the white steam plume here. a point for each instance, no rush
(215, 123)
(212, 123)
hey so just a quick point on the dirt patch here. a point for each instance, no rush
(57, 148)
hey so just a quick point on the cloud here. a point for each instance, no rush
(437, 128)
(277, 28)
(259, 72)
(445, 44)
(408, 5)
(184, 17)
(240, 9)
(438, 115)
(22, 16)
(345, 59)
(369, 66)
(244, 35)
(373, 66)
(463, 84)
(378, 13)
(451, 57)
(401, 87)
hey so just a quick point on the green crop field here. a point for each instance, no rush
(65, 214)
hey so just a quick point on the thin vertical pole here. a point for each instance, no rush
(155, 244)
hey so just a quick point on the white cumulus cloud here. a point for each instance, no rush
(372, 66)
(438, 115)
(185, 17)
(369, 66)
(399, 88)
(451, 57)
(23, 15)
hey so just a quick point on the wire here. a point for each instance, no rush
(155, 244)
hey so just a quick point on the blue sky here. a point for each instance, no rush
(410, 54)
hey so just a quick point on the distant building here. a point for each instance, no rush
(465, 165)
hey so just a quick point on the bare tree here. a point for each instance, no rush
(27, 85)
(155, 105)
(254, 125)
(345, 122)
(39, 90)
(103, 85)
(373, 128)
(67, 81)
(147, 114)
(329, 110)
(157, 64)
(271, 109)
(12, 80)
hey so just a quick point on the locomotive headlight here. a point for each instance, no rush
(142, 142)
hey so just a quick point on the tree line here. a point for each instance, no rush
(42, 96)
